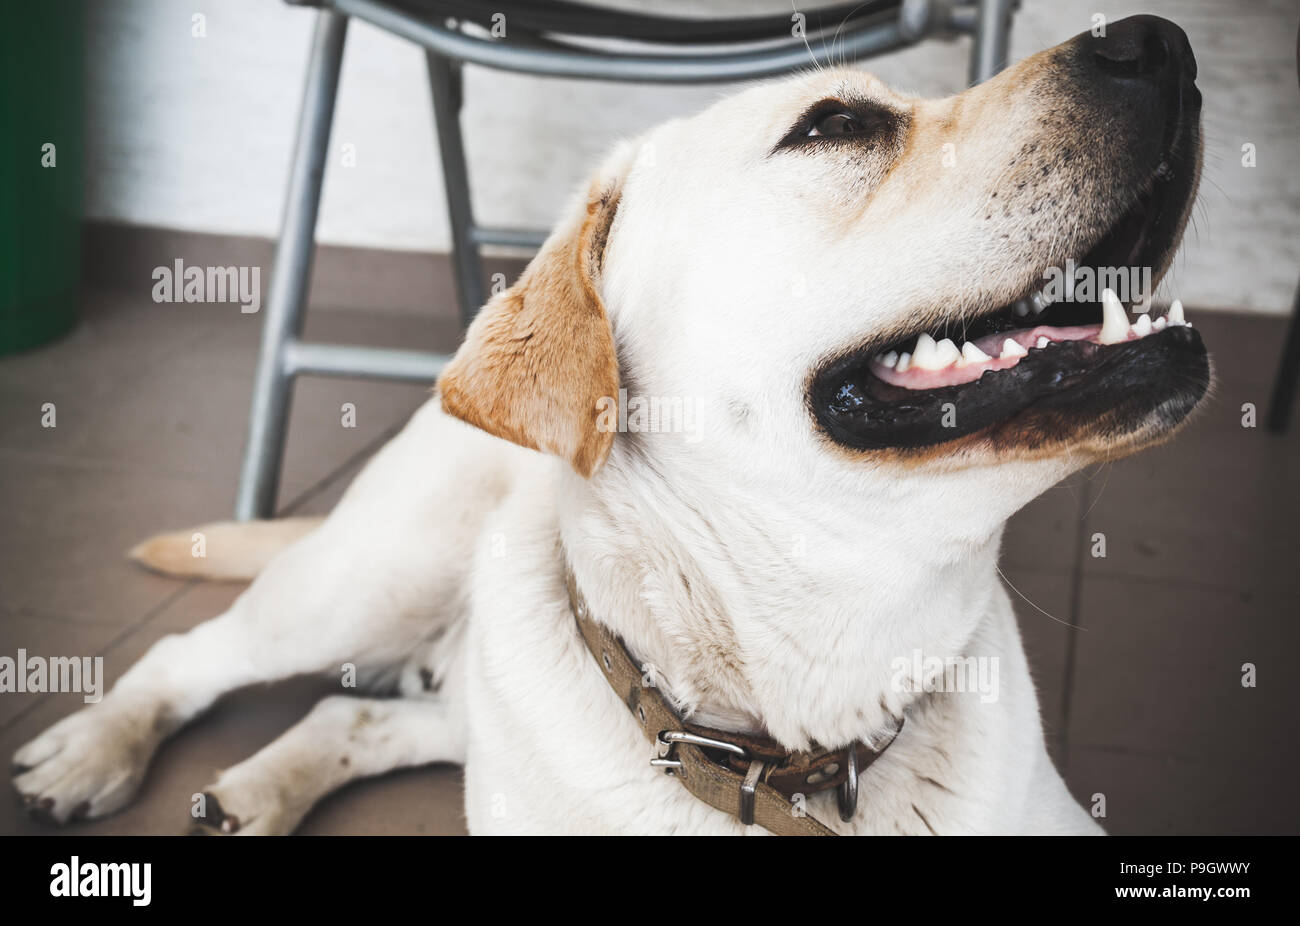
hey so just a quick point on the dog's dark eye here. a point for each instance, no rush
(836, 123)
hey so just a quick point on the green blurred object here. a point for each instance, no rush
(41, 97)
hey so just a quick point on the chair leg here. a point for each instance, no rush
(445, 86)
(268, 418)
(992, 39)
(1288, 375)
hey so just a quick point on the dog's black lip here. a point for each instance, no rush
(1090, 380)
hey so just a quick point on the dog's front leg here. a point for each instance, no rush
(307, 613)
(91, 762)
(341, 740)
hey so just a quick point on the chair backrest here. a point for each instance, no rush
(565, 17)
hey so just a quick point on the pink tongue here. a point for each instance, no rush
(961, 372)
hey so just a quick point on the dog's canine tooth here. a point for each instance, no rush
(925, 355)
(1042, 342)
(1114, 325)
(904, 362)
(1039, 302)
(1142, 327)
(1159, 324)
(972, 354)
(1011, 348)
(1175, 314)
(890, 359)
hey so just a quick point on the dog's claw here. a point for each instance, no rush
(214, 818)
(41, 811)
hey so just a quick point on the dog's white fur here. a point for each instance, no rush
(769, 578)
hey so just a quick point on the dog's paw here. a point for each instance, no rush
(87, 765)
(247, 807)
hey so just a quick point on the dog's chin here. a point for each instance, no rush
(1032, 379)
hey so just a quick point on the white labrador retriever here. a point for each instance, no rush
(791, 373)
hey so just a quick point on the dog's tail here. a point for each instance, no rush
(225, 551)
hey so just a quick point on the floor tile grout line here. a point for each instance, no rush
(1180, 582)
(1197, 758)
(1076, 595)
(122, 635)
(22, 457)
(65, 618)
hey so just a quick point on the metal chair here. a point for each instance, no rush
(550, 38)
(1288, 375)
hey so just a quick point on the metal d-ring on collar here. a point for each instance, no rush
(847, 793)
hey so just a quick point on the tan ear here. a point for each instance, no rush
(539, 358)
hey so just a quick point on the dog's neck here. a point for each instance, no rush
(790, 615)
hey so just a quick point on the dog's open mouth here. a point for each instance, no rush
(1057, 359)
(934, 364)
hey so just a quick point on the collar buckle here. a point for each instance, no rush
(668, 739)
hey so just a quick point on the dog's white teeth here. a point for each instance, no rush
(930, 355)
(1142, 327)
(1159, 324)
(1175, 315)
(904, 362)
(923, 355)
(1040, 302)
(1041, 342)
(1114, 322)
(1021, 308)
(926, 354)
(890, 359)
(972, 354)
(949, 353)
(1011, 348)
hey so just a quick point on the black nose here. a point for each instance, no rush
(1145, 49)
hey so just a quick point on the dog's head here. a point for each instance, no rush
(844, 279)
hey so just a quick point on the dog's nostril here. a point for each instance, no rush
(1134, 60)
(1144, 48)
(1155, 52)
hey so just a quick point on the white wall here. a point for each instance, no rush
(195, 133)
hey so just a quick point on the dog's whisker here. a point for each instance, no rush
(1107, 467)
(1034, 606)
(812, 57)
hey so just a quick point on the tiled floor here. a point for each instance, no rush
(1138, 654)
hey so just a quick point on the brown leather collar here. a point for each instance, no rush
(750, 776)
